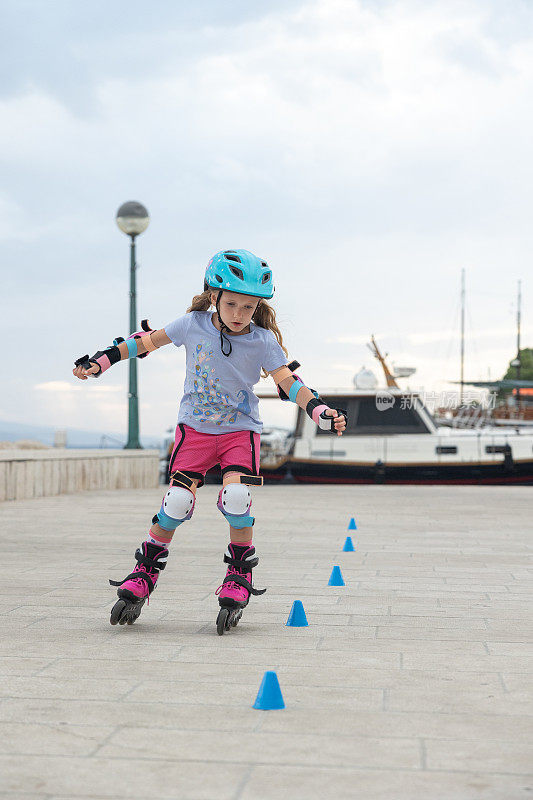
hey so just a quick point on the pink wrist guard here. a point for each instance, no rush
(317, 411)
(103, 362)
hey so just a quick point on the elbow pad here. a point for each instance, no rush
(131, 341)
(296, 386)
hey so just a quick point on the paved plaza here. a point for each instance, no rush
(413, 681)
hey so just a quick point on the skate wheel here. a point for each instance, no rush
(116, 612)
(222, 621)
(235, 618)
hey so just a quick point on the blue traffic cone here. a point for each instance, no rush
(348, 545)
(297, 618)
(352, 526)
(336, 579)
(269, 695)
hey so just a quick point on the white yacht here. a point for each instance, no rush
(392, 437)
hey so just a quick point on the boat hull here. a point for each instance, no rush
(500, 473)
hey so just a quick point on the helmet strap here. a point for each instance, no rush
(223, 327)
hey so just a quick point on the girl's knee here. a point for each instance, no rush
(235, 501)
(177, 507)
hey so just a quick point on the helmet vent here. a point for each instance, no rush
(266, 277)
(233, 258)
(237, 272)
(218, 278)
(264, 264)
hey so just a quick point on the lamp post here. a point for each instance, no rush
(133, 219)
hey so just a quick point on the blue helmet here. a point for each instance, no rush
(240, 271)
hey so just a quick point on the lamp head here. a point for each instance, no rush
(132, 218)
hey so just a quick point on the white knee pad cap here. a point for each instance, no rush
(178, 502)
(236, 498)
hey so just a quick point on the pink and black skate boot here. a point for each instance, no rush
(236, 588)
(137, 587)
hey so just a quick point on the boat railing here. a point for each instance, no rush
(470, 417)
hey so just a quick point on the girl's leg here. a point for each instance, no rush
(240, 556)
(177, 506)
(241, 535)
(158, 535)
(151, 556)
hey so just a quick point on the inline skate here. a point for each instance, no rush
(137, 587)
(236, 588)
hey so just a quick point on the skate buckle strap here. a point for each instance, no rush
(143, 575)
(242, 581)
(149, 562)
(241, 564)
(146, 562)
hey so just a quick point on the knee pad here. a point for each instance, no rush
(234, 501)
(177, 506)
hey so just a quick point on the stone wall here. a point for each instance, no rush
(38, 473)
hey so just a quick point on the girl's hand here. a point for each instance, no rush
(83, 374)
(340, 422)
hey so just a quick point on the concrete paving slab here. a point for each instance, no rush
(412, 680)
(22, 665)
(303, 749)
(37, 686)
(295, 783)
(422, 724)
(490, 756)
(120, 776)
(176, 716)
(332, 659)
(28, 738)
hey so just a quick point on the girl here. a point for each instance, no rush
(218, 421)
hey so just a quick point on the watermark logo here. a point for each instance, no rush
(384, 401)
(443, 401)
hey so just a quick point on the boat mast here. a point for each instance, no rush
(389, 377)
(518, 365)
(462, 334)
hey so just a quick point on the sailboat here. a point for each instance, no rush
(392, 437)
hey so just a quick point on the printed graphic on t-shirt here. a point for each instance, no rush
(244, 404)
(209, 404)
(218, 391)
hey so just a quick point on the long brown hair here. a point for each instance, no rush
(264, 316)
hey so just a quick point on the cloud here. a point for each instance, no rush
(63, 387)
(367, 149)
(348, 339)
(333, 116)
(344, 367)
(429, 337)
(434, 336)
(364, 72)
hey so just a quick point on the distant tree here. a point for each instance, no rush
(526, 369)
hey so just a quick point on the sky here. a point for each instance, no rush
(368, 150)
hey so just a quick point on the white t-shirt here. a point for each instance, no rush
(218, 390)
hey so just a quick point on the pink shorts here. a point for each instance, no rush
(195, 453)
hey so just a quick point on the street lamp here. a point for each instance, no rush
(133, 219)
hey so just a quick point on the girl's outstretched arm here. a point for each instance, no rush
(296, 391)
(135, 345)
(158, 339)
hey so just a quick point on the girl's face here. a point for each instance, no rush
(236, 310)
